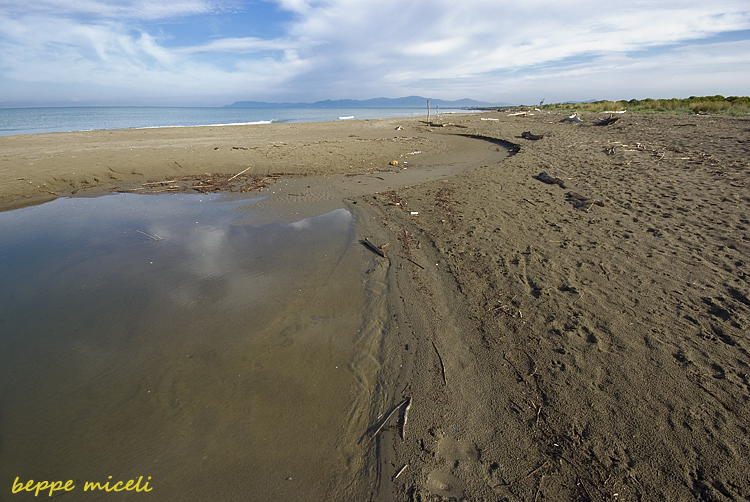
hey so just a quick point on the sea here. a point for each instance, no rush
(67, 119)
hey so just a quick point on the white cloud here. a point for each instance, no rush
(438, 37)
(691, 70)
(246, 45)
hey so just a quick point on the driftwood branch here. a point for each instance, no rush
(607, 121)
(388, 418)
(406, 417)
(400, 472)
(241, 172)
(372, 247)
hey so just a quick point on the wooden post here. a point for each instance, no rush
(428, 112)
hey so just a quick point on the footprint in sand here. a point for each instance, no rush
(446, 484)
(454, 450)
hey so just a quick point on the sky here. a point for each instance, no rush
(216, 52)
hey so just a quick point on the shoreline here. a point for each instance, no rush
(576, 353)
(41, 167)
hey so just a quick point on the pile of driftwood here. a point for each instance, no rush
(207, 183)
(608, 121)
(531, 136)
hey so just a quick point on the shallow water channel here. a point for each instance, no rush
(172, 336)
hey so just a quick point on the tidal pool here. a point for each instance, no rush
(170, 337)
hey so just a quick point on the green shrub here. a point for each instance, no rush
(733, 105)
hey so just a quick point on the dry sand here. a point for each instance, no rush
(550, 352)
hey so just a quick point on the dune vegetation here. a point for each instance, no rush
(732, 105)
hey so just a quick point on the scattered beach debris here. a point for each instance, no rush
(607, 121)
(549, 179)
(572, 118)
(372, 247)
(399, 128)
(519, 114)
(583, 201)
(207, 182)
(488, 118)
(414, 213)
(531, 136)
(393, 163)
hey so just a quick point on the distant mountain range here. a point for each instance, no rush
(407, 102)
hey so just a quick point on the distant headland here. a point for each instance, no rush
(405, 102)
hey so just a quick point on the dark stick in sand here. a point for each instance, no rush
(442, 366)
(415, 263)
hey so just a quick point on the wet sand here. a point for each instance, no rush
(549, 351)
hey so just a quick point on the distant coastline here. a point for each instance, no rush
(405, 102)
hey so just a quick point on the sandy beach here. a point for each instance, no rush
(584, 339)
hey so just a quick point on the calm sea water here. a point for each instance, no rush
(41, 120)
